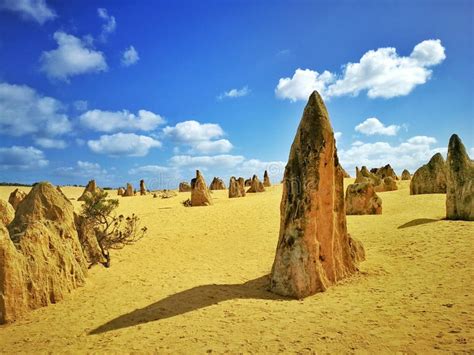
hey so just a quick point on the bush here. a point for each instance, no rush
(111, 231)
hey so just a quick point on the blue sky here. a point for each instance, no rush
(120, 91)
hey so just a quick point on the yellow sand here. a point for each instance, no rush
(196, 284)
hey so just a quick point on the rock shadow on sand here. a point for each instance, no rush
(191, 300)
(417, 222)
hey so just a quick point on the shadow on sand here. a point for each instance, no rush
(417, 222)
(190, 300)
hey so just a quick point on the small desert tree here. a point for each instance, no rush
(111, 231)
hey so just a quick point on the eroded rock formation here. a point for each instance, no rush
(364, 175)
(16, 197)
(217, 184)
(266, 180)
(406, 175)
(460, 182)
(200, 195)
(248, 182)
(314, 249)
(430, 178)
(184, 187)
(387, 184)
(361, 199)
(90, 190)
(142, 187)
(385, 171)
(120, 191)
(7, 212)
(256, 185)
(129, 191)
(236, 187)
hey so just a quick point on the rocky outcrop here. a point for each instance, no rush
(120, 191)
(406, 175)
(361, 199)
(7, 212)
(129, 191)
(142, 187)
(16, 197)
(314, 249)
(460, 182)
(248, 182)
(430, 178)
(236, 187)
(266, 180)
(387, 184)
(88, 240)
(256, 185)
(184, 187)
(217, 184)
(364, 175)
(41, 259)
(90, 190)
(385, 171)
(200, 195)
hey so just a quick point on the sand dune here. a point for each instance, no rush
(197, 283)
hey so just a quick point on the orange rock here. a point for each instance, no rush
(16, 197)
(361, 198)
(200, 195)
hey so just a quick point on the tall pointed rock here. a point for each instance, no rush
(314, 250)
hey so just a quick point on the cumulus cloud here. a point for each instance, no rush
(382, 73)
(337, 135)
(201, 137)
(22, 158)
(123, 144)
(72, 57)
(83, 169)
(150, 169)
(410, 154)
(81, 105)
(234, 93)
(50, 143)
(205, 162)
(130, 56)
(109, 25)
(113, 121)
(373, 126)
(36, 10)
(24, 111)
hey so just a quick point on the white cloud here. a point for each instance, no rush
(22, 158)
(130, 56)
(201, 137)
(81, 105)
(302, 84)
(24, 111)
(255, 166)
(113, 121)
(120, 144)
(83, 169)
(233, 93)
(205, 162)
(72, 57)
(150, 169)
(410, 154)
(36, 10)
(373, 126)
(381, 72)
(49, 143)
(109, 26)
(337, 135)
(471, 153)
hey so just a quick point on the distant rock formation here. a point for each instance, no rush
(142, 187)
(406, 175)
(41, 259)
(266, 180)
(361, 199)
(90, 190)
(120, 191)
(460, 182)
(16, 197)
(129, 191)
(364, 175)
(184, 187)
(385, 171)
(200, 195)
(314, 249)
(7, 212)
(217, 184)
(387, 184)
(430, 178)
(256, 185)
(236, 187)
(248, 182)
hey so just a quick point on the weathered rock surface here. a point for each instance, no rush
(361, 199)
(184, 187)
(236, 187)
(387, 184)
(41, 260)
(256, 185)
(385, 171)
(120, 191)
(406, 175)
(364, 175)
(88, 241)
(430, 178)
(16, 197)
(314, 249)
(142, 187)
(91, 189)
(248, 182)
(460, 182)
(200, 195)
(129, 191)
(266, 180)
(217, 184)
(7, 212)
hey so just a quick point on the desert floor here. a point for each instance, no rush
(197, 283)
